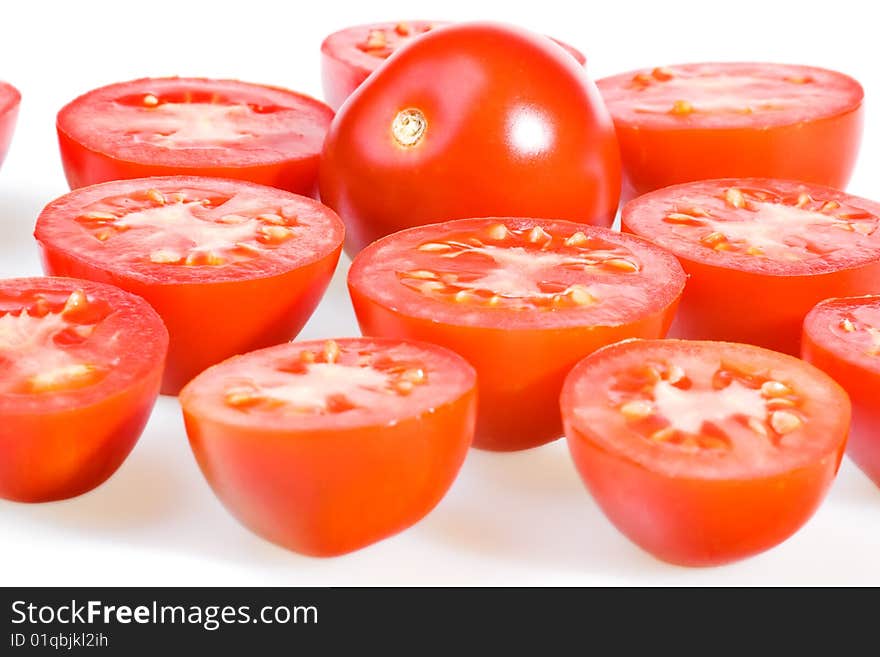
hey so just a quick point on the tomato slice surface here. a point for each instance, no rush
(706, 410)
(517, 273)
(849, 328)
(80, 368)
(763, 226)
(67, 342)
(190, 229)
(184, 122)
(728, 95)
(332, 384)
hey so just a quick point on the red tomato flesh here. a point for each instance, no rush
(472, 120)
(10, 99)
(326, 447)
(703, 453)
(842, 338)
(194, 127)
(760, 254)
(80, 366)
(717, 120)
(522, 300)
(349, 56)
(231, 266)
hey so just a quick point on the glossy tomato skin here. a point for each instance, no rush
(10, 99)
(345, 64)
(723, 301)
(823, 152)
(821, 149)
(707, 517)
(329, 491)
(857, 373)
(694, 522)
(520, 369)
(510, 125)
(54, 449)
(88, 164)
(209, 320)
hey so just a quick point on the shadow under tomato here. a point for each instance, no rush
(531, 506)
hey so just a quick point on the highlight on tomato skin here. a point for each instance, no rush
(350, 55)
(688, 122)
(325, 447)
(80, 367)
(415, 145)
(704, 453)
(10, 99)
(522, 300)
(760, 253)
(193, 127)
(842, 338)
(229, 265)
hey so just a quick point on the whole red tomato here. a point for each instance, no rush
(471, 120)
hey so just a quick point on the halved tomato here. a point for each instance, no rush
(229, 265)
(842, 338)
(691, 122)
(326, 447)
(703, 453)
(80, 366)
(760, 254)
(193, 127)
(350, 55)
(10, 99)
(522, 299)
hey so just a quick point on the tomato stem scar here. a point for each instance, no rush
(409, 126)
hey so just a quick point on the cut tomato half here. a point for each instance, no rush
(704, 452)
(842, 338)
(194, 127)
(760, 254)
(326, 447)
(10, 99)
(522, 300)
(80, 366)
(231, 266)
(350, 55)
(691, 122)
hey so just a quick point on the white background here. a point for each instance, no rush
(509, 519)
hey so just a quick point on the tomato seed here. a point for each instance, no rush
(165, 257)
(847, 325)
(636, 410)
(434, 246)
(784, 422)
(735, 198)
(150, 100)
(775, 389)
(577, 239)
(155, 196)
(331, 351)
(682, 107)
(498, 232)
(621, 264)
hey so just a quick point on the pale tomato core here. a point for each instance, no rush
(522, 269)
(683, 405)
(331, 380)
(38, 346)
(191, 227)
